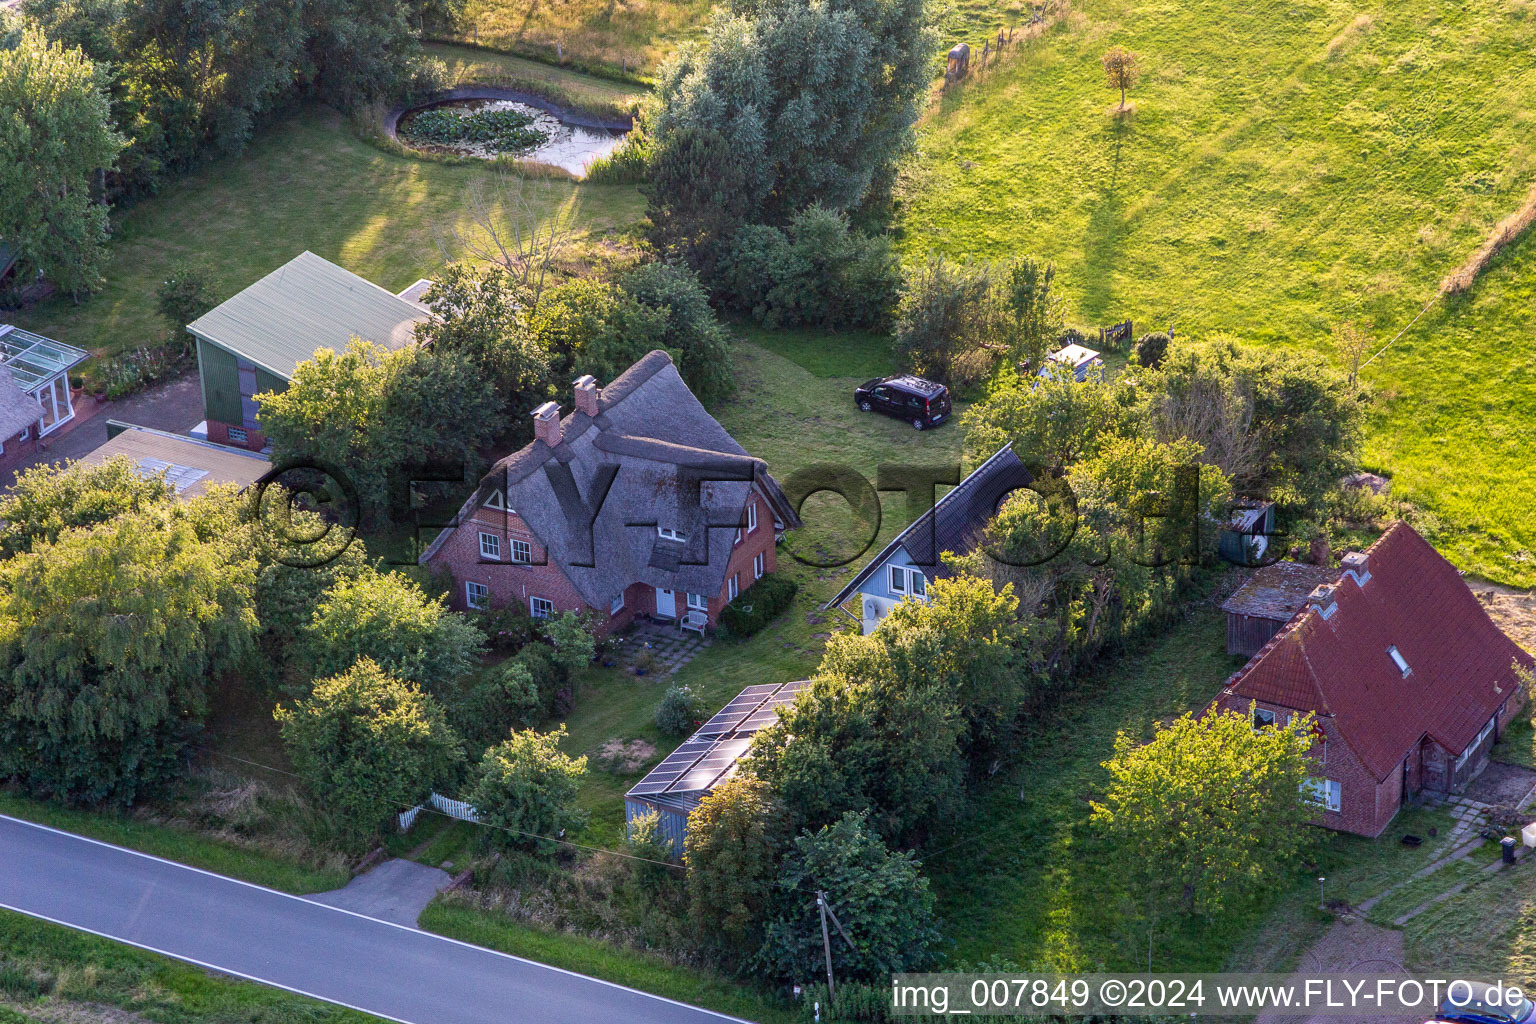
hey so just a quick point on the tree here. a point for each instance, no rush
(1209, 811)
(479, 314)
(1353, 342)
(46, 500)
(1150, 348)
(108, 638)
(678, 712)
(874, 741)
(946, 319)
(369, 745)
(1121, 69)
(1285, 424)
(55, 135)
(690, 331)
(1033, 308)
(184, 296)
(520, 227)
(880, 897)
(1052, 421)
(500, 699)
(590, 326)
(786, 104)
(732, 847)
(526, 790)
(373, 414)
(965, 639)
(389, 619)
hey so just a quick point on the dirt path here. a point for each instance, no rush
(1355, 947)
(1513, 610)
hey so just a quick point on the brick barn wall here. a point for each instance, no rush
(1365, 806)
(218, 433)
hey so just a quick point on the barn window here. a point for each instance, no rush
(1261, 718)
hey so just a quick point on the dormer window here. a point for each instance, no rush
(666, 534)
(1399, 661)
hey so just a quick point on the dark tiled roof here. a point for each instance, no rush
(1461, 664)
(956, 521)
(1278, 591)
(655, 437)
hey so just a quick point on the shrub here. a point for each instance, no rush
(732, 848)
(571, 637)
(946, 321)
(387, 618)
(554, 684)
(759, 605)
(678, 712)
(500, 700)
(626, 165)
(184, 296)
(1150, 349)
(369, 745)
(526, 785)
(508, 628)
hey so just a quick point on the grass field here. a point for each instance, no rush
(58, 976)
(628, 35)
(468, 64)
(310, 182)
(598, 959)
(1284, 168)
(1489, 929)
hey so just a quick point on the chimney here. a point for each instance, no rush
(546, 423)
(1358, 565)
(586, 395)
(1322, 599)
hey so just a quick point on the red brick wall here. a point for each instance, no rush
(218, 433)
(15, 452)
(1365, 806)
(512, 583)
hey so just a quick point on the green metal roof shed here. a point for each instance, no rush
(307, 304)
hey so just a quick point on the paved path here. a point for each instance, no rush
(396, 891)
(294, 943)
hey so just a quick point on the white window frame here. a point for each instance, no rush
(917, 584)
(912, 582)
(536, 611)
(698, 602)
(1462, 758)
(733, 586)
(521, 551)
(617, 604)
(668, 534)
(758, 565)
(751, 515)
(476, 595)
(896, 579)
(1400, 661)
(490, 547)
(1270, 718)
(1325, 793)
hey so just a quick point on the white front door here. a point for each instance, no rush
(666, 603)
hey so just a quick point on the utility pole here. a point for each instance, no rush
(826, 911)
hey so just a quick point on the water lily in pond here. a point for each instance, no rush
(504, 131)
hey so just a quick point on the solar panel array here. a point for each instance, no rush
(711, 753)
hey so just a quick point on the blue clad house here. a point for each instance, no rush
(955, 524)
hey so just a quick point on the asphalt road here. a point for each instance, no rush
(296, 944)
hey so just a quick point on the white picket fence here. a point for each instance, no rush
(453, 808)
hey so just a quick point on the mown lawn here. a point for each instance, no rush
(1285, 168)
(54, 974)
(308, 182)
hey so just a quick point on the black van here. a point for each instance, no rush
(920, 402)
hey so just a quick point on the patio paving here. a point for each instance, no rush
(670, 647)
(1501, 783)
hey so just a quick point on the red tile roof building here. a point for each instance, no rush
(1409, 679)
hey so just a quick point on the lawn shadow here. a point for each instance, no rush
(1101, 240)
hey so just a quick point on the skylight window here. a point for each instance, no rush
(179, 477)
(1399, 661)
